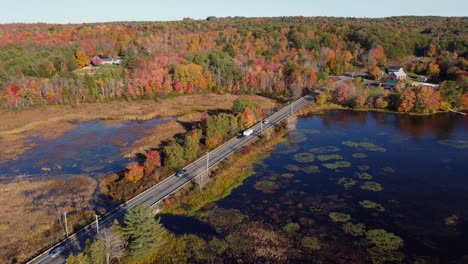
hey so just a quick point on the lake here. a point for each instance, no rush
(354, 187)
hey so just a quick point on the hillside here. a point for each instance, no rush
(39, 62)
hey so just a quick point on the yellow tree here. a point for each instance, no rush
(247, 117)
(433, 70)
(81, 58)
(432, 50)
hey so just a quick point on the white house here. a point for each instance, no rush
(397, 72)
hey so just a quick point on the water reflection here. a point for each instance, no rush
(91, 148)
(406, 181)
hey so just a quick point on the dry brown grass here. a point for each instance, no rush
(52, 121)
(29, 210)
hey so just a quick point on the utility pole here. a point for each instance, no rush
(66, 225)
(261, 125)
(97, 224)
(292, 107)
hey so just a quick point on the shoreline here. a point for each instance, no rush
(329, 107)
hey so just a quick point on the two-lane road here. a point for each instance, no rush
(163, 189)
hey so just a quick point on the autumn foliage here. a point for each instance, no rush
(407, 100)
(135, 172)
(42, 63)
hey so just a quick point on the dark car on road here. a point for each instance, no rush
(181, 173)
(56, 251)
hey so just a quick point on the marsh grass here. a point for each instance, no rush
(265, 186)
(364, 176)
(292, 167)
(30, 212)
(385, 170)
(372, 186)
(329, 157)
(311, 169)
(359, 155)
(372, 205)
(364, 145)
(304, 157)
(339, 217)
(363, 167)
(323, 150)
(287, 175)
(347, 183)
(311, 243)
(337, 165)
(354, 229)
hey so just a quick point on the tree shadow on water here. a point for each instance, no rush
(184, 225)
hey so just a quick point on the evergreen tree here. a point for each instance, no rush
(142, 232)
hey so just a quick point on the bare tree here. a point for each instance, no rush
(114, 245)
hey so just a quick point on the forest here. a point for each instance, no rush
(44, 64)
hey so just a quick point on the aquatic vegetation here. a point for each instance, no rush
(311, 131)
(339, 217)
(222, 219)
(311, 169)
(372, 186)
(291, 227)
(337, 164)
(287, 175)
(364, 176)
(387, 170)
(292, 167)
(451, 220)
(459, 144)
(311, 243)
(384, 240)
(304, 157)
(265, 186)
(324, 150)
(381, 256)
(354, 229)
(372, 205)
(359, 155)
(297, 138)
(329, 157)
(347, 182)
(363, 167)
(365, 145)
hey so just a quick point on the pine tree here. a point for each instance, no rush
(142, 232)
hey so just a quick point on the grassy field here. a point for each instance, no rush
(29, 213)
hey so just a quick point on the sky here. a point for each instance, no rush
(87, 11)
